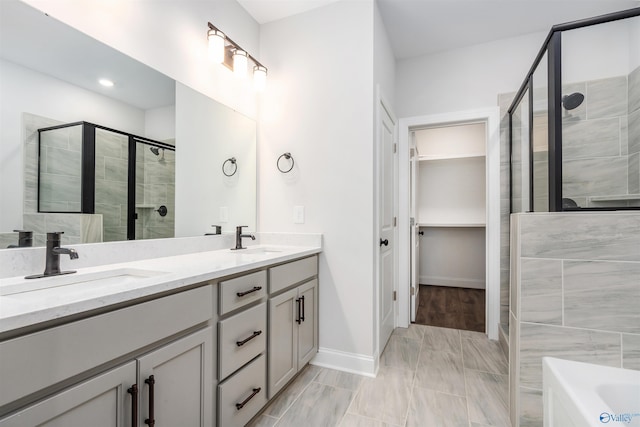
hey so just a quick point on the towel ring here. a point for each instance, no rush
(287, 156)
(232, 160)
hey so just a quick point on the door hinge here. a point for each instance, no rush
(413, 291)
(394, 295)
(395, 221)
(395, 147)
(412, 153)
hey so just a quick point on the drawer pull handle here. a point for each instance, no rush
(133, 391)
(244, 402)
(246, 340)
(302, 316)
(255, 289)
(151, 420)
(298, 311)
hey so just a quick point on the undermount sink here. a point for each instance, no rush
(259, 250)
(120, 276)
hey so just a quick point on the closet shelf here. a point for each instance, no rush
(453, 224)
(427, 158)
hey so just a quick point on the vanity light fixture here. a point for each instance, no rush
(216, 46)
(227, 52)
(240, 62)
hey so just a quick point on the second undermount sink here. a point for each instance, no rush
(119, 276)
(258, 250)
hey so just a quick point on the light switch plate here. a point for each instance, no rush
(298, 214)
(224, 214)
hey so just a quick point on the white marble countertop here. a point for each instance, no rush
(148, 277)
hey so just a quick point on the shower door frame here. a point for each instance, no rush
(552, 47)
(88, 169)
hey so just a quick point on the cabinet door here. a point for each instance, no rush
(283, 332)
(182, 382)
(97, 402)
(308, 328)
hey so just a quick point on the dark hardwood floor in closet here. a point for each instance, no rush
(458, 308)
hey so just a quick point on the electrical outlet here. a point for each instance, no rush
(298, 214)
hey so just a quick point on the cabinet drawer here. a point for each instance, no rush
(47, 357)
(238, 292)
(241, 338)
(243, 395)
(283, 276)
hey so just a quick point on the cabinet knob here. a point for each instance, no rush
(384, 242)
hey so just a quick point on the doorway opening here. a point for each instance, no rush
(449, 203)
(450, 220)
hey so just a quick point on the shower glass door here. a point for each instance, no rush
(154, 191)
(111, 178)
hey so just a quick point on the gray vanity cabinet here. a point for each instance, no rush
(293, 321)
(97, 402)
(79, 373)
(183, 382)
(181, 392)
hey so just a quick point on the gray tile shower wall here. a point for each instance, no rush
(575, 294)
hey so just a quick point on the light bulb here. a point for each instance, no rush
(240, 62)
(216, 46)
(259, 77)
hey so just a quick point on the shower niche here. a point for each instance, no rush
(86, 168)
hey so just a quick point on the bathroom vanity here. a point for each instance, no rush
(200, 339)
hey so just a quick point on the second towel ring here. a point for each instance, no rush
(232, 160)
(287, 156)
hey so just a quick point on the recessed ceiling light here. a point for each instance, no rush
(106, 82)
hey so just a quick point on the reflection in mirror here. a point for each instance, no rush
(48, 77)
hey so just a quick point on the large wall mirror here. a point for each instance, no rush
(166, 161)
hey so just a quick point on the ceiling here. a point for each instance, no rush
(36, 41)
(421, 27)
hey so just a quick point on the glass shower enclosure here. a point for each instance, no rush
(575, 121)
(91, 169)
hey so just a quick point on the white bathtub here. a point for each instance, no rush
(580, 394)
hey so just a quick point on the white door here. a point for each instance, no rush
(415, 230)
(386, 241)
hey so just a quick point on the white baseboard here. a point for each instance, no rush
(347, 362)
(452, 282)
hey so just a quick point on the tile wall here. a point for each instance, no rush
(111, 197)
(595, 142)
(633, 125)
(61, 159)
(575, 293)
(155, 187)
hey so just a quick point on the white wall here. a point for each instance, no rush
(466, 78)
(25, 90)
(208, 133)
(384, 61)
(634, 40)
(160, 123)
(318, 106)
(170, 36)
(599, 51)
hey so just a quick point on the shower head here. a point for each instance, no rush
(155, 150)
(569, 102)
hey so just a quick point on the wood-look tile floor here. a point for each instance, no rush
(447, 307)
(428, 377)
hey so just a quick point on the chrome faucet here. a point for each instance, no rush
(239, 237)
(54, 250)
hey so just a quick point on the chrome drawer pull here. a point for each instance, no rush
(246, 340)
(244, 402)
(255, 288)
